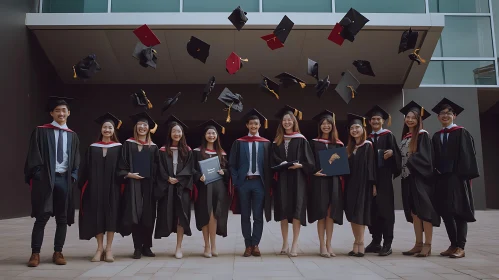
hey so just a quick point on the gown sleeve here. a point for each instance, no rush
(307, 159)
(123, 164)
(162, 177)
(184, 177)
(76, 159)
(197, 174)
(420, 162)
(83, 172)
(396, 157)
(233, 160)
(34, 161)
(275, 157)
(371, 167)
(467, 164)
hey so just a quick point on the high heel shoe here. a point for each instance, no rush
(214, 253)
(425, 252)
(360, 252)
(353, 253)
(207, 254)
(109, 256)
(415, 250)
(178, 254)
(324, 253)
(285, 252)
(99, 256)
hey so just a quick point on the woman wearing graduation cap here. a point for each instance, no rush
(213, 200)
(100, 191)
(417, 185)
(176, 168)
(325, 203)
(138, 167)
(360, 187)
(291, 151)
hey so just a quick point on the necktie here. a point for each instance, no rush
(375, 138)
(444, 141)
(59, 147)
(253, 157)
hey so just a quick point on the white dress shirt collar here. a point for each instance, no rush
(54, 123)
(251, 135)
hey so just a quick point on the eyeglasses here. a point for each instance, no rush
(450, 114)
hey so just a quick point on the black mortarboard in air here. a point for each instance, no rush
(322, 86)
(284, 110)
(355, 119)
(143, 116)
(352, 23)
(283, 29)
(207, 89)
(54, 101)
(287, 79)
(170, 102)
(267, 85)
(408, 40)
(109, 117)
(86, 68)
(254, 112)
(172, 118)
(322, 115)
(139, 99)
(414, 56)
(145, 55)
(364, 67)
(313, 69)
(238, 18)
(213, 123)
(455, 108)
(378, 111)
(413, 105)
(347, 87)
(198, 49)
(233, 101)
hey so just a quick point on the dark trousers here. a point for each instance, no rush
(251, 196)
(142, 236)
(457, 230)
(381, 229)
(60, 194)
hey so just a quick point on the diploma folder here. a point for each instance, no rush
(334, 162)
(285, 166)
(142, 163)
(209, 168)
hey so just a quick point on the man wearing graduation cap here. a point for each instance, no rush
(388, 166)
(249, 165)
(51, 169)
(456, 166)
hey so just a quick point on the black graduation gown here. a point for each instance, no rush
(383, 202)
(174, 201)
(213, 197)
(453, 189)
(138, 206)
(100, 191)
(324, 192)
(359, 185)
(418, 189)
(290, 195)
(39, 171)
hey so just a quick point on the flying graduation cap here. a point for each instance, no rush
(198, 49)
(414, 56)
(238, 18)
(455, 108)
(364, 67)
(267, 85)
(139, 99)
(233, 101)
(86, 68)
(322, 86)
(233, 63)
(349, 26)
(208, 88)
(408, 40)
(170, 102)
(108, 117)
(347, 87)
(144, 50)
(146, 36)
(287, 79)
(278, 37)
(313, 69)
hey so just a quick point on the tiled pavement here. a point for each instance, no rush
(481, 262)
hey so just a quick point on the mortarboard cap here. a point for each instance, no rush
(313, 69)
(347, 87)
(207, 89)
(414, 56)
(238, 18)
(232, 101)
(234, 63)
(378, 111)
(272, 42)
(54, 101)
(86, 68)
(254, 112)
(198, 49)
(408, 40)
(146, 36)
(143, 116)
(109, 117)
(145, 55)
(355, 119)
(172, 118)
(287, 79)
(214, 124)
(268, 85)
(170, 102)
(455, 108)
(322, 86)
(283, 29)
(322, 115)
(352, 23)
(284, 110)
(364, 67)
(413, 105)
(335, 35)
(139, 99)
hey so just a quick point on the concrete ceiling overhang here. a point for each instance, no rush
(66, 38)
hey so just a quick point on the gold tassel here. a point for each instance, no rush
(300, 115)
(149, 104)
(334, 119)
(266, 124)
(154, 51)
(303, 85)
(271, 90)
(74, 73)
(119, 124)
(353, 91)
(228, 113)
(416, 53)
(422, 111)
(152, 131)
(389, 121)
(364, 121)
(223, 130)
(244, 59)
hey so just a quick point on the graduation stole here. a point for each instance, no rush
(454, 128)
(385, 132)
(294, 135)
(163, 149)
(326, 141)
(210, 152)
(105, 144)
(51, 126)
(409, 135)
(248, 138)
(132, 140)
(365, 142)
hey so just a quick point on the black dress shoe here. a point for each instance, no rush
(137, 254)
(147, 252)
(359, 255)
(385, 251)
(373, 248)
(352, 253)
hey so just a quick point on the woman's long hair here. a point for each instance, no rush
(183, 149)
(413, 146)
(136, 135)
(114, 137)
(333, 134)
(216, 145)
(351, 140)
(279, 136)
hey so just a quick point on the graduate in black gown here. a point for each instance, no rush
(325, 198)
(456, 166)
(388, 167)
(100, 191)
(417, 181)
(361, 183)
(138, 168)
(175, 185)
(290, 195)
(213, 200)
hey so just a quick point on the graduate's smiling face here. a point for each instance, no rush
(253, 126)
(60, 114)
(176, 134)
(356, 130)
(142, 128)
(376, 122)
(446, 117)
(287, 122)
(326, 126)
(411, 120)
(107, 129)
(211, 135)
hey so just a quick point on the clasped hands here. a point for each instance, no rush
(294, 166)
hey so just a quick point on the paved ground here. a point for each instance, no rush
(481, 262)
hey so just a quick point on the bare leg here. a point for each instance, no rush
(329, 233)
(355, 248)
(428, 235)
(109, 245)
(360, 237)
(180, 237)
(206, 237)
(284, 232)
(296, 235)
(213, 234)
(100, 248)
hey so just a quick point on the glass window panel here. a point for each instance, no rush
(144, 6)
(220, 5)
(381, 6)
(495, 12)
(459, 6)
(74, 6)
(299, 6)
(461, 73)
(465, 37)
